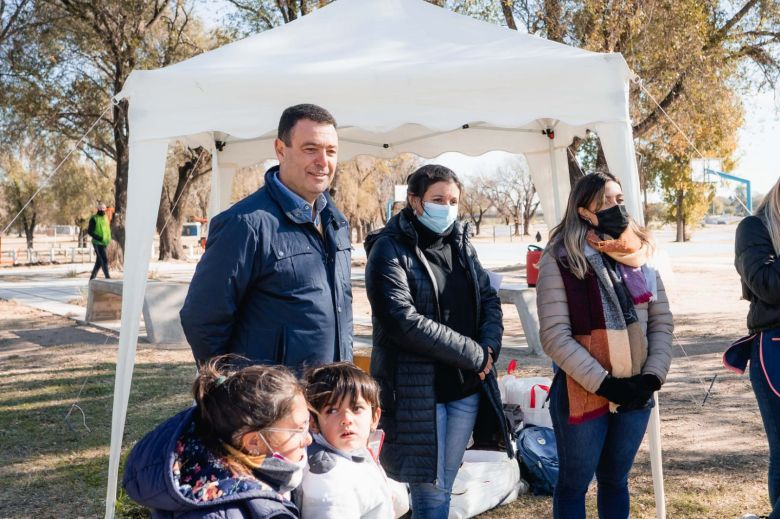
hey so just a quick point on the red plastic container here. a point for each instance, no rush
(532, 258)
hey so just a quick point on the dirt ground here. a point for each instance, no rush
(51, 465)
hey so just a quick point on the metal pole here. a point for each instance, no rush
(554, 172)
(656, 462)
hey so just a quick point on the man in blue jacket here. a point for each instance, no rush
(274, 282)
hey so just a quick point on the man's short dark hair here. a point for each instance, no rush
(295, 113)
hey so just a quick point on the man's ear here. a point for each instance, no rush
(375, 418)
(588, 216)
(279, 148)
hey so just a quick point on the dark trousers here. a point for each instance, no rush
(604, 446)
(101, 261)
(769, 405)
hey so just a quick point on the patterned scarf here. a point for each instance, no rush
(630, 254)
(602, 326)
(202, 475)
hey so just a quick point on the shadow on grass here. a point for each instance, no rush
(47, 337)
(57, 470)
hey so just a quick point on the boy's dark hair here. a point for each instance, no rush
(419, 181)
(332, 383)
(293, 114)
(232, 401)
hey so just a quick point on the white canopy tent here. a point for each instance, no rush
(399, 76)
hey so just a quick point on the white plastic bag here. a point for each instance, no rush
(486, 479)
(530, 393)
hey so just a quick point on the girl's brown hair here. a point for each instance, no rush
(233, 402)
(333, 383)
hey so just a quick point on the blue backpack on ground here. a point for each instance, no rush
(538, 457)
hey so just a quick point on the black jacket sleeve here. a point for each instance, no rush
(393, 305)
(491, 318)
(756, 261)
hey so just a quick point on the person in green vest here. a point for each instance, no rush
(100, 231)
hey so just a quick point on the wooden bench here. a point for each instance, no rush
(162, 302)
(524, 299)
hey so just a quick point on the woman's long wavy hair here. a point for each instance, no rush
(571, 232)
(769, 211)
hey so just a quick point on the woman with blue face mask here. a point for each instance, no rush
(437, 332)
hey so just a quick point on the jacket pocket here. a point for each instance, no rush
(295, 264)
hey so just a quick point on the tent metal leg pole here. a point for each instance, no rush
(656, 462)
(554, 172)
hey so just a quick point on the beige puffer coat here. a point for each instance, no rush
(559, 344)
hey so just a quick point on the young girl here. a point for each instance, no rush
(238, 453)
(605, 321)
(343, 479)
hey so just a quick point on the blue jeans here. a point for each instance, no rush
(604, 446)
(769, 405)
(454, 425)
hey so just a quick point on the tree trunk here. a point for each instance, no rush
(506, 7)
(29, 226)
(28, 234)
(553, 15)
(679, 216)
(575, 171)
(170, 240)
(120, 128)
(517, 227)
(359, 232)
(526, 225)
(170, 217)
(601, 159)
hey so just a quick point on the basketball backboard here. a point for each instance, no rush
(699, 169)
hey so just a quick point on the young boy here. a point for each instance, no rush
(343, 479)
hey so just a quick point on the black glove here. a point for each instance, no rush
(649, 384)
(620, 390)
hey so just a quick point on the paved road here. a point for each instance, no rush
(56, 288)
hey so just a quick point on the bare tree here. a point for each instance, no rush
(514, 195)
(475, 200)
(191, 164)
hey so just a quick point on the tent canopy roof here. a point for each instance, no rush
(395, 74)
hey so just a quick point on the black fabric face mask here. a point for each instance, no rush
(101, 213)
(613, 221)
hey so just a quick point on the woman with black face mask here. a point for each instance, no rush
(605, 322)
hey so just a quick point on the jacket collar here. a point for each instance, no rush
(294, 207)
(357, 457)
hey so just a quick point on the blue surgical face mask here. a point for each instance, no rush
(438, 218)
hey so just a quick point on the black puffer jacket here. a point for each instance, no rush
(759, 269)
(409, 340)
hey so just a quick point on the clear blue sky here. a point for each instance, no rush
(759, 141)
